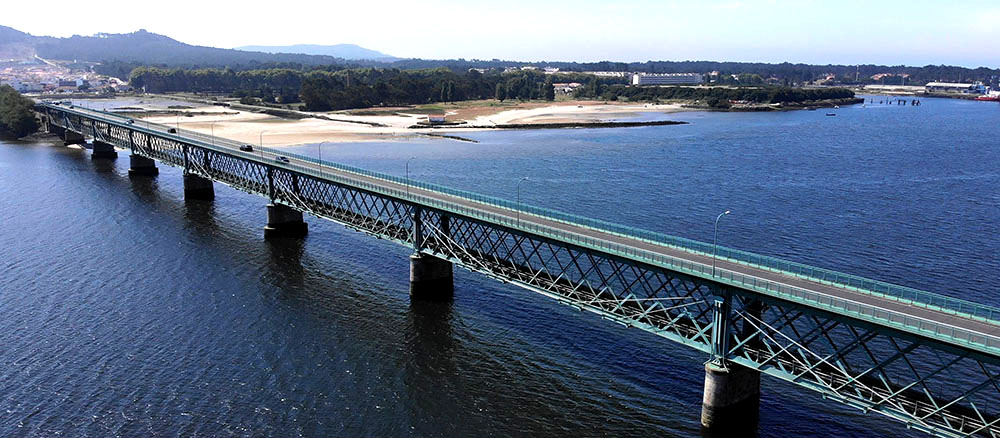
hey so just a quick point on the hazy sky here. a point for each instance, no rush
(913, 32)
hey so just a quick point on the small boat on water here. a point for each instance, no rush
(989, 98)
(831, 114)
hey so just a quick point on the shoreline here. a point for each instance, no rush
(277, 127)
(262, 125)
(559, 125)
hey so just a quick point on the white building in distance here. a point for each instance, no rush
(667, 79)
(952, 87)
(607, 74)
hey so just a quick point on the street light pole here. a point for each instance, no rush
(407, 166)
(212, 126)
(715, 240)
(523, 179)
(319, 153)
(261, 146)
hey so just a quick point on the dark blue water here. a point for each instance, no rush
(130, 312)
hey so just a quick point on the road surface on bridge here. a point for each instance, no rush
(724, 267)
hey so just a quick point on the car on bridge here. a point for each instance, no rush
(246, 148)
(281, 159)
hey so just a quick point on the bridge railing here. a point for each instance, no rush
(886, 290)
(905, 294)
(982, 342)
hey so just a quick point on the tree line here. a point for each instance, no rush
(359, 88)
(277, 84)
(785, 73)
(718, 97)
(17, 114)
(322, 90)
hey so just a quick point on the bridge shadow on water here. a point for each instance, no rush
(201, 217)
(285, 257)
(735, 430)
(145, 188)
(431, 351)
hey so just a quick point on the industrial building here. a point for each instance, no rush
(952, 87)
(667, 79)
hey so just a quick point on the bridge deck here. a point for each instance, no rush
(978, 333)
(723, 267)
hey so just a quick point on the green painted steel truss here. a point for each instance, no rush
(927, 384)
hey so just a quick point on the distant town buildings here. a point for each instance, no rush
(667, 78)
(23, 87)
(40, 77)
(881, 76)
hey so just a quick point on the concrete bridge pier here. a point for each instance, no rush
(284, 221)
(140, 165)
(72, 137)
(196, 187)
(102, 150)
(431, 278)
(731, 402)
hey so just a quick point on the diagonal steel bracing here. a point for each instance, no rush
(930, 385)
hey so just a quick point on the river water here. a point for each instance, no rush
(127, 311)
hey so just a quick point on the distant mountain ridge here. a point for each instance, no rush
(147, 48)
(119, 54)
(345, 51)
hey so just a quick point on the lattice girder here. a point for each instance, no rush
(928, 385)
(932, 386)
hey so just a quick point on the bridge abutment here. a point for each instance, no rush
(102, 150)
(731, 401)
(284, 221)
(196, 187)
(72, 137)
(431, 278)
(140, 165)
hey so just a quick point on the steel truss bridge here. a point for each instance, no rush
(929, 361)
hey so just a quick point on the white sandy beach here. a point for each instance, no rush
(256, 128)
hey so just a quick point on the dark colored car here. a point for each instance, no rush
(281, 159)
(172, 130)
(246, 148)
